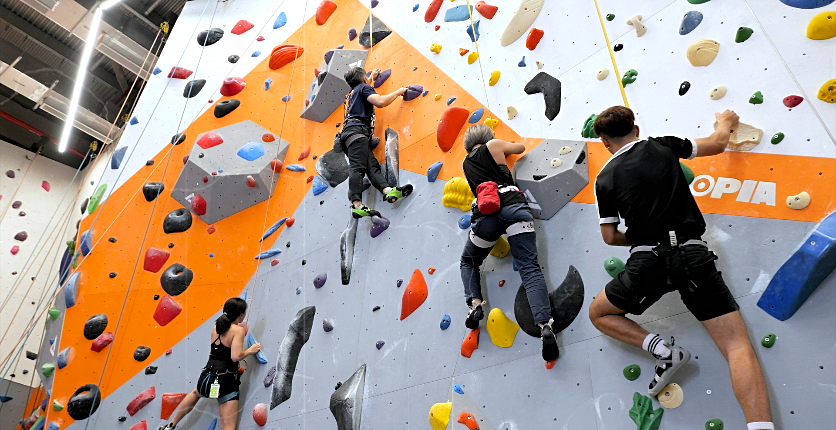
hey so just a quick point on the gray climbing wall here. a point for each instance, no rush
(327, 91)
(551, 174)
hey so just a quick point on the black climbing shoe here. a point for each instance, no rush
(363, 211)
(169, 426)
(550, 350)
(398, 193)
(474, 316)
(666, 367)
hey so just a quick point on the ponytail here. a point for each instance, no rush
(233, 308)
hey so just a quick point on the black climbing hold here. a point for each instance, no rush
(304, 262)
(177, 221)
(193, 88)
(170, 245)
(223, 108)
(178, 138)
(376, 308)
(288, 245)
(151, 190)
(617, 47)
(379, 32)
(112, 275)
(333, 168)
(684, 87)
(149, 162)
(337, 387)
(581, 157)
(84, 205)
(84, 402)
(538, 177)
(31, 355)
(200, 155)
(25, 371)
(111, 240)
(150, 370)
(141, 353)
(549, 86)
(176, 279)
(566, 302)
(156, 296)
(95, 326)
(209, 37)
(321, 77)
(122, 419)
(233, 58)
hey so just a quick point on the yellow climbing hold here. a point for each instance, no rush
(457, 194)
(822, 26)
(436, 48)
(501, 329)
(440, 415)
(437, 97)
(491, 122)
(512, 112)
(671, 396)
(702, 52)
(471, 58)
(827, 92)
(494, 78)
(500, 248)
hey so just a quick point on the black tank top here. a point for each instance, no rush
(220, 357)
(479, 166)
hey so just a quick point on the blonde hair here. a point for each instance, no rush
(478, 134)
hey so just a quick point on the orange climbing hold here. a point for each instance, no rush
(289, 222)
(241, 27)
(485, 9)
(170, 402)
(198, 205)
(432, 11)
(210, 139)
(250, 181)
(451, 123)
(268, 137)
(305, 153)
(274, 262)
(533, 38)
(431, 270)
(414, 294)
(276, 165)
(550, 364)
(310, 179)
(468, 420)
(284, 54)
(155, 259)
(463, 51)
(470, 343)
(324, 11)
(437, 27)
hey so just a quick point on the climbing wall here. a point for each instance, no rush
(384, 320)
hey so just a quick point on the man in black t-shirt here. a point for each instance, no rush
(356, 138)
(643, 184)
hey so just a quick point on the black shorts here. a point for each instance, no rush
(645, 280)
(228, 382)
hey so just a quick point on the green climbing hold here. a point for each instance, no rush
(96, 198)
(75, 260)
(643, 415)
(610, 16)
(743, 34)
(715, 424)
(54, 313)
(588, 130)
(756, 98)
(689, 174)
(777, 138)
(632, 372)
(71, 246)
(613, 266)
(698, 1)
(47, 369)
(57, 406)
(768, 340)
(629, 77)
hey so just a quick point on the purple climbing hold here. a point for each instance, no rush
(320, 279)
(399, 283)
(16, 204)
(327, 326)
(352, 34)
(432, 172)
(382, 77)
(340, 46)
(271, 374)
(379, 344)
(412, 92)
(10, 173)
(379, 225)
(328, 55)
(21, 236)
(374, 3)
(286, 98)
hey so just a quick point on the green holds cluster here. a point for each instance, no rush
(632, 372)
(743, 34)
(54, 313)
(47, 369)
(643, 414)
(756, 98)
(777, 138)
(610, 16)
(613, 266)
(588, 130)
(768, 340)
(629, 77)
(715, 424)
(689, 174)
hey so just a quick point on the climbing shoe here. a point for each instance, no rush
(398, 193)
(474, 316)
(169, 426)
(666, 367)
(363, 211)
(550, 350)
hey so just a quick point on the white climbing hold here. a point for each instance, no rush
(636, 21)
(798, 201)
(744, 137)
(565, 150)
(539, 64)
(556, 162)
(603, 73)
(512, 112)
(671, 396)
(523, 18)
(717, 92)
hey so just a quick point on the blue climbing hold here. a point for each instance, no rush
(464, 222)
(243, 296)
(425, 93)
(71, 290)
(267, 254)
(522, 62)
(476, 115)
(156, 70)
(295, 168)
(118, 155)
(286, 98)
(445, 322)
(471, 29)
(63, 358)
(514, 265)
(414, 8)
(211, 255)
(52, 340)
(134, 121)
(255, 54)
(318, 186)
(251, 151)
(690, 21)
(86, 242)
(451, 100)
(267, 83)
(432, 172)
(214, 424)
(280, 21)
(258, 355)
(273, 228)
(4, 398)
(458, 13)
(806, 4)
(458, 388)
(298, 290)
(53, 426)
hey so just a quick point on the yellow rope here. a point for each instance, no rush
(479, 57)
(615, 66)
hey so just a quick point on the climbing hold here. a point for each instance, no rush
(827, 92)
(613, 266)
(209, 140)
(457, 194)
(437, 97)
(617, 47)
(798, 201)
(304, 154)
(566, 301)
(440, 412)
(473, 31)
(250, 151)
(84, 402)
(95, 326)
(280, 21)
(500, 248)
(744, 138)
(175, 73)
(96, 198)
(412, 92)
(491, 122)
(642, 412)
(458, 13)
(792, 101)
(494, 77)
(641, 29)
(690, 21)
(319, 280)
(223, 108)
(232, 59)
(56, 406)
(629, 77)
(177, 221)
(431, 270)
(141, 399)
(445, 322)
(756, 98)
(777, 138)
(176, 279)
(549, 86)
(296, 168)
(352, 34)
(85, 241)
(451, 100)
(588, 130)
(250, 341)
(449, 127)
(15, 249)
(717, 92)
(610, 16)
(379, 344)
(198, 204)
(472, 57)
(715, 424)
(632, 372)
(379, 225)
(267, 254)
(822, 26)
(522, 62)
(102, 341)
(603, 73)
(501, 329)
(379, 31)
(476, 115)
(689, 174)
(284, 54)
(382, 77)
(47, 369)
(260, 410)
(319, 186)
(167, 309)
(511, 111)
(521, 21)
(702, 52)
(241, 27)
(63, 357)
(141, 353)
(17, 203)
(232, 86)
(170, 403)
(178, 138)
(118, 155)
(414, 294)
(435, 48)
(432, 10)
(346, 402)
(298, 333)
(414, 8)
(671, 396)
(209, 37)
(470, 343)
(769, 340)
(743, 34)
(533, 38)
(684, 87)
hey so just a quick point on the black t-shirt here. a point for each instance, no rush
(479, 166)
(358, 110)
(643, 183)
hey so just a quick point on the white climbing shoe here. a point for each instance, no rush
(667, 367)
(475, 315)
(169, 426)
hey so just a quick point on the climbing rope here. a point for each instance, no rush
(479, 57)
(371, 28)
(612, 57)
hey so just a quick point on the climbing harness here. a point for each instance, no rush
(666, 250)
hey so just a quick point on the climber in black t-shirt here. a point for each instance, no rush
(644, 185)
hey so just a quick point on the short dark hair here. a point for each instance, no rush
(355, 76)
(616, 121)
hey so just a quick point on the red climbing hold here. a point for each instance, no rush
(259, 38)
(15, 250)
(170, 402)
(45, 185)
(274, 262)
(324, 11)
(468, 420)
(142, 425)
(533, 38)
(451, 123)
(276, 165)
(141, 400)
(432, 10)
(437, 27)
(470, 343)
(485, 9)
(310, 179)
(792, 101)
(289, 222)
(463, 51)
(316, 72)
(268, 137)
(101, 342)
(550, 364)
(155, 259)
(284, 54)
(502, 282)
(167, 310)
(179, 73)
(232, 86)
(211, 229)
(198, 205)
(260, 414)
(304, 154)
(205, 179)
(250, 181)
(168, 352)
(241, 27)
(431, 270)
(209, 140)
(414, 294)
